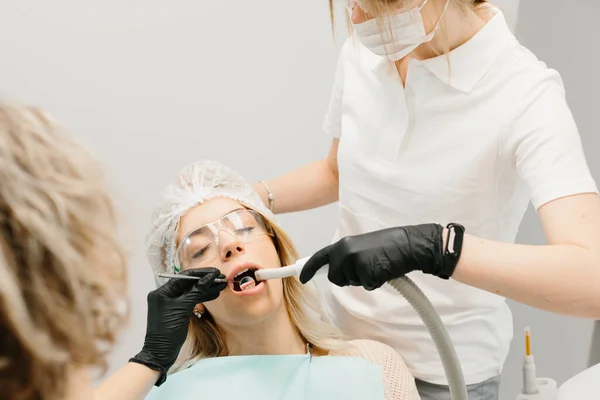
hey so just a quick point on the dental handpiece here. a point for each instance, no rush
(290, 270)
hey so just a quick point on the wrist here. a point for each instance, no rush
(267, 197)
(144, 358)
(452, 241)
(270, 196)
(151, 374)
(444, 238)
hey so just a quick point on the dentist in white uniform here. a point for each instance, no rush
(423, 137)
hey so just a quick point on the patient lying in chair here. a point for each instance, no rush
(260, 340)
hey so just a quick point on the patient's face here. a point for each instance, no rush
(243, 244)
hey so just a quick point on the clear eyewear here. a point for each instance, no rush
(201, 246)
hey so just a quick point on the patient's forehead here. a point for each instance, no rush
(209, 211)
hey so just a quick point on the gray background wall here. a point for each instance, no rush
(151, 85)
(565, 35)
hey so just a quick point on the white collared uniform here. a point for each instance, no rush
(472, 144)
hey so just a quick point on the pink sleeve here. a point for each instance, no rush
(398, 383)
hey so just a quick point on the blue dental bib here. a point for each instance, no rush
(289, 377)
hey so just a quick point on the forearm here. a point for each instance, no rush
(311, 186)
(563, 279)
(132, 382)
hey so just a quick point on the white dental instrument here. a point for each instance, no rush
(285, 272)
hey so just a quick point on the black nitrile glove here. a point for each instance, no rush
(169, 310)
(372, 259)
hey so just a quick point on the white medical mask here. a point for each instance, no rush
(407, 33)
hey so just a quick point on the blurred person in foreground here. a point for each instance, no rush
(63, 272)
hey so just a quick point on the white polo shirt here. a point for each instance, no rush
(473, 144)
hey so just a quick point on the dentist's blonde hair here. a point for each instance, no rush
(205, 339)
(382, 8)
(62, 269)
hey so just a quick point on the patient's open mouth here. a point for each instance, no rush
(245, 280)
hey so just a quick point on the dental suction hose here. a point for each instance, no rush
(417, 299)
(421, 304)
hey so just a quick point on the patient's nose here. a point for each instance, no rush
(230, 245)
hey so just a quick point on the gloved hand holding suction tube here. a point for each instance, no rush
(169, 310)
(372, 259)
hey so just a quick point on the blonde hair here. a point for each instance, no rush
(206, 339)
(382, 8)
(62, 270)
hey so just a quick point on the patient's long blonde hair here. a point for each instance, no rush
(62, 269)
(205, 338)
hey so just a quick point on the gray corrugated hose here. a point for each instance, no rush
(595, 349)
(433, 322)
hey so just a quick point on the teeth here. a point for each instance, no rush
(241, 272)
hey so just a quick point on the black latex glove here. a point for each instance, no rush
(372, 259)
(169, 310)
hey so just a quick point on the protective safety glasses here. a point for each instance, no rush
(200, 247)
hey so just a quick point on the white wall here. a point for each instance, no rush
(152, 85)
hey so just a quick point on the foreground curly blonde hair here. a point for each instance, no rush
(62, 270)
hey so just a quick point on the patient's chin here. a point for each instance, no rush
(254, 312)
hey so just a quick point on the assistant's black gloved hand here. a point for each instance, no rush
(373, 258)
(169, 310)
